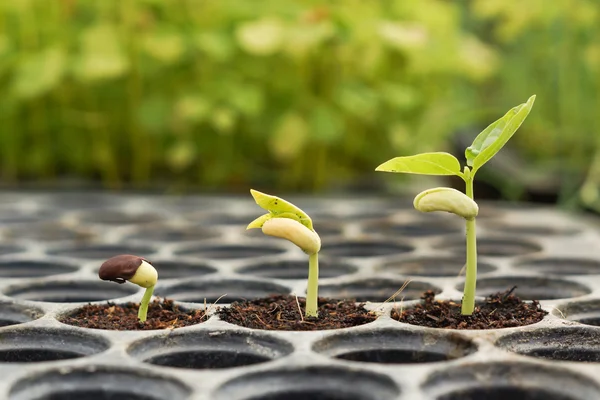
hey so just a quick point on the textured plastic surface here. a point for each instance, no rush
(53, 245)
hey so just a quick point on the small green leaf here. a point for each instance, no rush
(279, 207)
(438, 163)
(260, 221)
(494, 137)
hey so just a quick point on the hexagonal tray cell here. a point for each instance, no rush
(22, 217)
(584, 312)
(49, 232)
(509, 380)
(432, 266)
(364, 249)
(174, 269)
(530, 288)
(97, 382)
(82, 201)
(560, 265)
(30, 345)
(172, 234)
(229, 252)
(210, 349)
(113, 217)
(415, 229)
(6, 249)
(101, 251)
(494, 247)
(297, 269)
(70, 291)
(533, 230)
(224, 290)
(212, 219)
(29, 268)
(376, 290)
(579, 344)
(395, 346)
(312, 382)
(14, 314)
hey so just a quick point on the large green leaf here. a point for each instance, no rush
(495, 136)
(278, 206)
(438, 163)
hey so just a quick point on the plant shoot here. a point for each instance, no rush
(286, 221)
(134, 269)
(484, 147)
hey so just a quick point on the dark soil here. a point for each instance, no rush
(161, 315)
(500, 310)
(281, 313)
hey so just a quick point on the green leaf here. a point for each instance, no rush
(438, 163)
(259, 222)
(277, 206)
(494, 137)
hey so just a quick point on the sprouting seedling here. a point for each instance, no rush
(134, 269)
(285, 220)
(483, 148)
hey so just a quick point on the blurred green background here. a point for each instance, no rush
(295, 95)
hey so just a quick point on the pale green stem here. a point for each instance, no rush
(143, 311)
(313, 286)
(468, 301)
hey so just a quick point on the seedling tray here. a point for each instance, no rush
(53, 245)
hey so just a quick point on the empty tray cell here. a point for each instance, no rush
(579, 344)
(172, 234)
(312, 382)
(364, 249)
(376, 290)
(534, 230)
(225, 291)
(229, 252)
(297, 269)
(530, 288)
(395, 346)
(209, 349)
(432, 266)
(509, 380)
(22, 217)
(14, 314)
(101, 251)
(70, 291)
(415, 229)
(111, 217)
(6, 249)
(48, 232)
(172, 269)
(494, 247)
(31, 345)
(33, 268)
(82, 201)
(98, 383)
(584, 312)
(208, 219)
(561, 265)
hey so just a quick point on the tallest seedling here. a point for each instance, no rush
(484, 147)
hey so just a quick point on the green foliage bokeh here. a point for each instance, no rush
(295, 93)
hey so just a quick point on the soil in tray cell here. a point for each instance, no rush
(161, 315)
(499, 310)
(286, 313)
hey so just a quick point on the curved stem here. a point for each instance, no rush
(143, 311)
(312, 290)
(468, 301)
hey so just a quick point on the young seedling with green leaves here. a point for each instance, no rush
(483, 148)
(285, 220)
(127, 267)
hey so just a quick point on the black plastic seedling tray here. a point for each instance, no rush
(53, 245)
